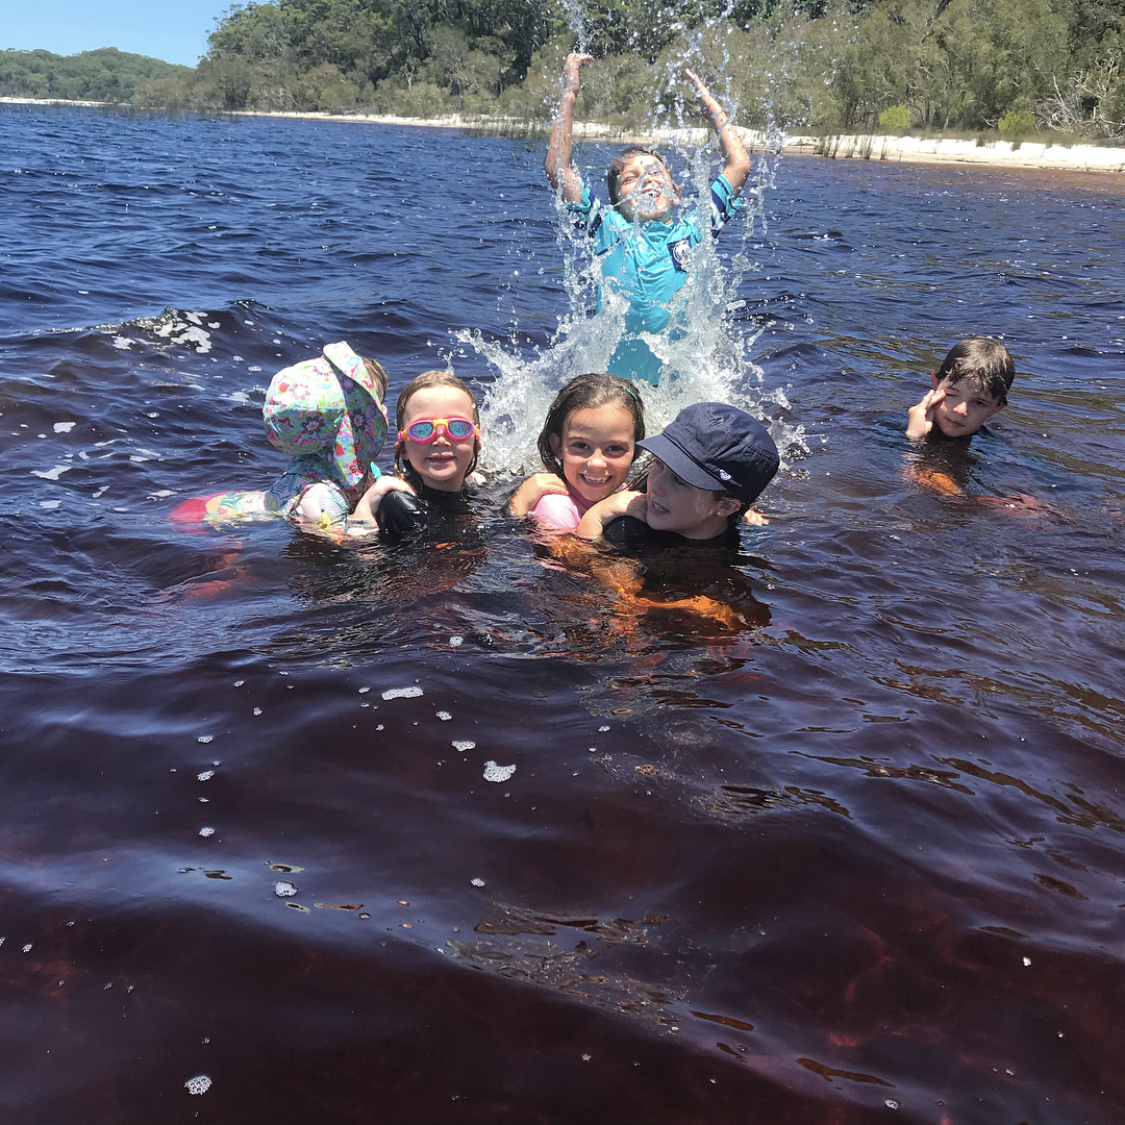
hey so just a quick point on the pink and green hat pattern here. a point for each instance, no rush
(328, 415)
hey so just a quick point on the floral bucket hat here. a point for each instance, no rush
(331, 407)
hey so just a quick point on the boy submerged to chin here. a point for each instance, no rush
(709, 465)
(645, 253)
(971, 386)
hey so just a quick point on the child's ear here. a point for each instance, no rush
(727, 506)
(555, 442)
(935, 379)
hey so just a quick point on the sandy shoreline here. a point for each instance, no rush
(1030, 155)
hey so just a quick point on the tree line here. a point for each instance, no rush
(827, 65)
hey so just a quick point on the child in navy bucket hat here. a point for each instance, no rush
(709, 465)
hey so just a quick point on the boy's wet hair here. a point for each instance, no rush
(613, 176)
(589, 392)
(983, 360)
(424, 382)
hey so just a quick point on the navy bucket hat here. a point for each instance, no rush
(718, 447)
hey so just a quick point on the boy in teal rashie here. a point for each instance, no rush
(646, 253)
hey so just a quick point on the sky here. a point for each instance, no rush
(173, 30)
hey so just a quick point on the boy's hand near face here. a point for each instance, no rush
(920, 418)
(738, 160)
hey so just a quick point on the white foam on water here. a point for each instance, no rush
(477, 882)
(206, 775)
(64, 427)
(200, 1084)
(205, 738)
(493, 772)
(445, 716)
(52, 474)
(205, 832)
(464, 744)
(284, 889)
(402, 693)
(49, 503)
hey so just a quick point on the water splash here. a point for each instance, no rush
(711, 353)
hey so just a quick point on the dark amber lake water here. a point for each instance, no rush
(851, 854)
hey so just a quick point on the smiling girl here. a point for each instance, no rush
(588, 445)
(436, 449)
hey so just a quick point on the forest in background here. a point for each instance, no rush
(1022, 66)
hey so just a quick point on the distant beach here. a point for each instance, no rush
(1027, 155)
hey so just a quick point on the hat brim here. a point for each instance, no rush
(659, 445)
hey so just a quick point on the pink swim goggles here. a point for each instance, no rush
(425, 430)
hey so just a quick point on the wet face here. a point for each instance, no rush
(645, 190)
(443, 462)
(675, 505)
(596, 450)
(965, 407)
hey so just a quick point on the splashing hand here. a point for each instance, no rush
(574, 61)
(707, 100)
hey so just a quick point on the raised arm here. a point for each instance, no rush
(559, 170)
(738, 160)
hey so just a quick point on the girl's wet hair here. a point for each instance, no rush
(589, 392)
(613, 176)
(424, 382)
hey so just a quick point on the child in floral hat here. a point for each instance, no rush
(328, 415)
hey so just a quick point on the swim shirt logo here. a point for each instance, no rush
(681, 254)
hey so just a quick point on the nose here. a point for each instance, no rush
(597, 458)
(961, 408)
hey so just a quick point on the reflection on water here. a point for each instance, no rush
(830, 832)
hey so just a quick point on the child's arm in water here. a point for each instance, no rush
(604, 512)
(559, 170)
(533, 490)
(920, 418)
(369, 502)
(738, 160)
